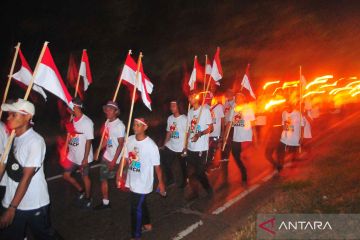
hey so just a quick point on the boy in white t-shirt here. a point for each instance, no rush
(197, 144)
(114, 141)
(290, 136)
(174, 144)
(142, 156)
(228, 106)
(26, 201)
(80, 152)
(243, 120)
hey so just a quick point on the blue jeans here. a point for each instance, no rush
(38, 221)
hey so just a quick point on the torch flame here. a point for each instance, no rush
(319, 80)
(273, 102)
(312, 93)
(267, 84)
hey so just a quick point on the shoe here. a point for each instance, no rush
(224, 160)
(80, 195)
(244, 184)
(86, 204)
(102, 206)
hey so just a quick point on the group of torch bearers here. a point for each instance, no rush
(192, 140)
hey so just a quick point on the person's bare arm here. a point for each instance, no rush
(167, 138)
(206, 131)
(160, 179)
(87, 152)
(2, 170)
(7, 218)
(117, 152)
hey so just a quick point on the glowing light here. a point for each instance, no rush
(336, 90)
(319, 80)
(273, 102)
(267, 84)
(352, 83)
(353, 78)
(355, 93)
(276, 89)
(290, 84)
(329, 85)
(312, 93)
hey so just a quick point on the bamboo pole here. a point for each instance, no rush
(17, 48)
(206, 59)
(300, 93)
(12, 135)
(78, 80)
(104, 131)
(131, 113)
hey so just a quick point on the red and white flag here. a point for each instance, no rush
(24, 75)
(143, 84)
(48, 77)
(197, 73)
(84, 70)
(208, 67)
(216, 71)
(246, 83)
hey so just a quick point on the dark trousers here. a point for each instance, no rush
(226, 153)
(168, 158)
(236, 152)
(139, 213)
(38, 220)
(213, 146)
(197, 160)
(281, 151)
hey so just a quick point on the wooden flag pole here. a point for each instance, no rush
(78, 81)
(206, 59)
(104, 130)
(231, 122)
(10, 75)
(12, 135)
(300, 93)
(131, 113)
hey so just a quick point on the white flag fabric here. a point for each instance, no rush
(246, 83)
(84, 70)
(24, 75)
(216, 71)
(48, 77)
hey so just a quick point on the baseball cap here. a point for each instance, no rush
(111, 104)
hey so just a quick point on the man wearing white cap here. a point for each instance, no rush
(26, 201)
(115, 133)
(80, 152)
(143, 156)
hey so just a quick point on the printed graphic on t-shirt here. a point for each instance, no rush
(288, 125)
(227, 109)
(194, 127)
(134, 161)
(74, 140)
(238, 120)
(174, 133)
(109, 143)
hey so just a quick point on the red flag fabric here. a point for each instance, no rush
(84, 70)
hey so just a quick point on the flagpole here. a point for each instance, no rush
(78, 80)
(10, 75)
(206, 59)
(104, 130)
(300, 93)
(131, 113)
(12, 135)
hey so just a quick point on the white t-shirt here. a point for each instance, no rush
(3, 140)
(291, 128)
(142, 157)
(217, 113)
(307, 125)
(177, 128)
(29, 150)
(242, 124)
(85, 131)
(227, 109)
(114, 130)
(202, 144)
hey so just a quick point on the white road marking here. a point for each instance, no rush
(188, 230)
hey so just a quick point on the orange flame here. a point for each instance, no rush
(267, 84)
(273, 102)
(319, 80)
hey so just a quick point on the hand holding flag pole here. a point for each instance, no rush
(10, 75)
(104, 130)
(12, 135)
(130, 115)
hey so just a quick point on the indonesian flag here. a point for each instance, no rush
(208, 68)
(85, 70)
(197, 73)
(246, 83)
(49, 78)
(24, 75)
(216, 71)
(143, 83)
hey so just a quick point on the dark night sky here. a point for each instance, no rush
(274, 36)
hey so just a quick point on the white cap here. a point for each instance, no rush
(20, 106)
